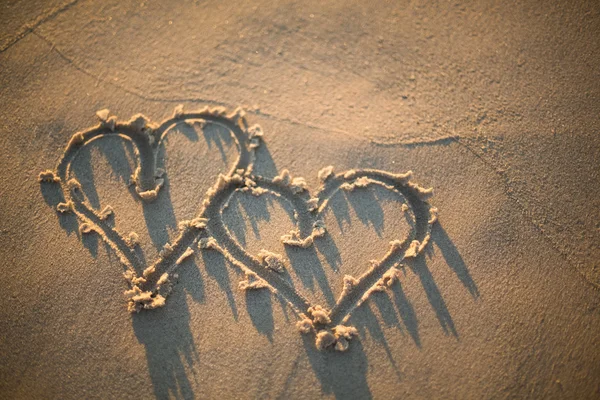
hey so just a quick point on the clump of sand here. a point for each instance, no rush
(319, 315)
(186, 254)
(305, 325)
(208, 243)
(338, 337)
(325, 173)
(272, 261)
(253, 282)
(48, 176)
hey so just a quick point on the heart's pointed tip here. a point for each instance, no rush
(337, 338)
(320, 315)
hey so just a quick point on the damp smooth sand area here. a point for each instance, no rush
(177, 246)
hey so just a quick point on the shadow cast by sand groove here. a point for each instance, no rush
(434, 296)
(365, 320)
(309, 269)
(260, 309)
(169, 342)
(453, 258)
(159, 216)
(215, 264)
(406, 312)
(342, 374)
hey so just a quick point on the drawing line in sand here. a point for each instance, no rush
(150, 285)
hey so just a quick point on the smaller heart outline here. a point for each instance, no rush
(382, 273)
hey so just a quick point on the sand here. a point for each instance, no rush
(203, 200)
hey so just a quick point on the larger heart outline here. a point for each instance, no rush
(150, 285)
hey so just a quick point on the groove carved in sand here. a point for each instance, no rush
(149, 285)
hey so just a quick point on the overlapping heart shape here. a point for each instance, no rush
(150, 285)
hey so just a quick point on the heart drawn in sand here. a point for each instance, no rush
(150, 285)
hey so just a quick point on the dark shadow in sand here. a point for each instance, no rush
(407, 312)
(118, 157)
(169, 343)
(453, 258)
(260, 309)
(165, 332)
(68, 221)
(190, 132)
(116, 152)
(366, 204)
(402, 309)
(244, 213)
(218, 135)
(327, 247)
(216, 267)
(90, 241)
(367, 207)
(434, 296)
(364, 320)
(235, 220)
(391, 305)
(258, 210)
(52, 194)
(309, 269)
(385, 306)
(338, 204)
(342, 374)
(83, 171)
(245, 209)
(264, 164)
(395, 310)
(160, 216)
